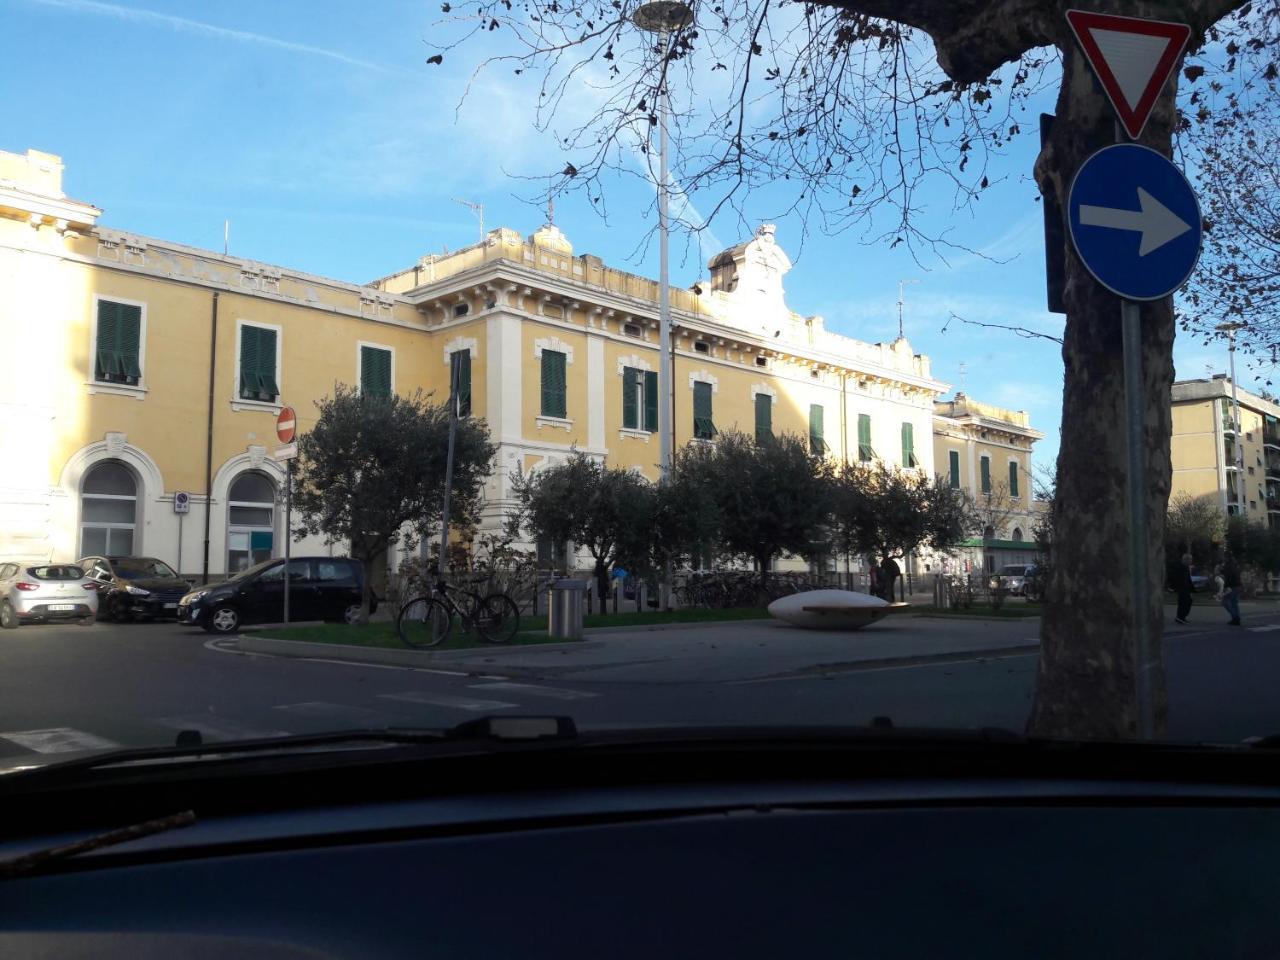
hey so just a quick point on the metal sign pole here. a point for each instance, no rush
(1131, 329)
(288, 522)
(181, 517)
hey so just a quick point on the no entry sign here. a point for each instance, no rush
(286, 425)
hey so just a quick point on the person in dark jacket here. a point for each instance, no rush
(1231, 589)
(1183, 587)
(889, 572)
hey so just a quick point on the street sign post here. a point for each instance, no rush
(1134, 221)
(1131, 58)
(286, 428)
(1136, 226)
(181, 506)
(286, 425)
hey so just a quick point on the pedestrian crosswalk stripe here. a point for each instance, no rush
(444, 700)
(58, 740)
(320, 708)
(1268, 627)
(534, 690)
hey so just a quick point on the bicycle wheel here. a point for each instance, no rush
(498, 618)
(423, 622)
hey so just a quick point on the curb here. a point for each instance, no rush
(646, 627)
(306, 649)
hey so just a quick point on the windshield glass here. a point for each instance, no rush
(827, 423)
(137, 568)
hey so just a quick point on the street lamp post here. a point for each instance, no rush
(1230, 330)
(664, 17)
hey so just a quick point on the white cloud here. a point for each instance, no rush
(151, 17)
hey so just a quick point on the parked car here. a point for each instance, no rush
(135, 588)
(320, 588)
(1013, 577)
(45, 591)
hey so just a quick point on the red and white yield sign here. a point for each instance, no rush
(286, 425)
(1132, 59)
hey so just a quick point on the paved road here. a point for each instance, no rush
(64, 689)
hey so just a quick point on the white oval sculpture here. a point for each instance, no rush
(831, 609)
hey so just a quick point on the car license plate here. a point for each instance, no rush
(62, 606)
(171, 606)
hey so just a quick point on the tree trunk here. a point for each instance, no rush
(762, 561)
(1085, 687)
(366, 588)
(602, 584)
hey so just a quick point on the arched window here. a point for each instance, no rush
(108, 510)
(1017, 534)
(251, 507)
(989, 533)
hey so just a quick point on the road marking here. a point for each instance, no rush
(444, 700)
(58, 740)
(533, 690)
(321, 708)
(217, 728)
(1268, 627)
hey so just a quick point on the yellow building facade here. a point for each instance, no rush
(141, 369)
(986, 451)
(1236, 466)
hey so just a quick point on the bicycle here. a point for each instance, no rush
(427, 621)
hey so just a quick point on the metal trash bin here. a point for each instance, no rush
(564, 609)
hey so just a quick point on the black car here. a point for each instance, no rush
(135, 588)
(320, 588)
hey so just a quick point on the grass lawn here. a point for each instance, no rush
(532, 629)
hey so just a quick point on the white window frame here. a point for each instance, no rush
(242, 528)
(236, 402)
(137, 497)
(138, 391)
(360, 345)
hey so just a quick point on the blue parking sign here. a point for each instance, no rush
(1135, 221)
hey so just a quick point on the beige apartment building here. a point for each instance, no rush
(1236, 465)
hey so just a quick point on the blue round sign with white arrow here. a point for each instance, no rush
(1135, 221)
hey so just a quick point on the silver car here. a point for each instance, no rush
(45, 591)
(1012, 577)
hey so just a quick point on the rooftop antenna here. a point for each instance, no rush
(901, 285)
(551, 210)
(226, 236)
(478, 210)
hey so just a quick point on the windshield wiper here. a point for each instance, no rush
(30, 863)
(507, 729)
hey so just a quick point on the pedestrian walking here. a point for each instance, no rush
(1231, 589)
(1183, 587)
(889, 572)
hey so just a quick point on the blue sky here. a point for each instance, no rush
(320, 132)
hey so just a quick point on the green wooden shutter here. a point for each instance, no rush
(630, 404)
(258, 364)
(107, 362)
(267, 364)
(817, 445)
(464, 383)
(651, 401)
(553, 384)
(129, 341)
(248, 363)
(704, 427)
(1013, 478)
(865, 453)
(764, 416)
(986, 474)
(375, 372)
(908, 446)
(955, 469)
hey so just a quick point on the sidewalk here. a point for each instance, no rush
(747, 650)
